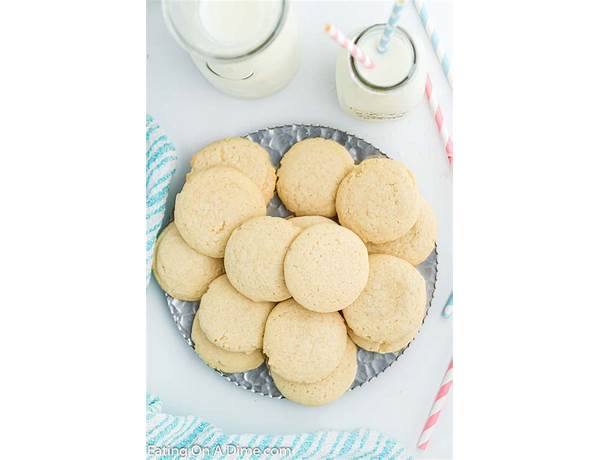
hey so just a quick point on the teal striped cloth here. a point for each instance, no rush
(189, 437)
(161, 159)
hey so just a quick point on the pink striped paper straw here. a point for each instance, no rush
(358, 54)
(438, 404)
(436, 110)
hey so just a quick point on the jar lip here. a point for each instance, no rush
(223, 57)
(402, 82)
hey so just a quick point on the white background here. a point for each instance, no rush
(193, 113)
(72, 335)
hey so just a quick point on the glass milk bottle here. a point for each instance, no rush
(247, 48)
(394, 86)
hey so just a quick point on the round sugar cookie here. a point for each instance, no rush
(378, 200)
(242, 154)
(381, 347)
(326, 267)
(416, 245)
(231, 321)
(217, 358)
(392, 304)
(302, 345)
(324, 391)
(211, 204)
(179, 270)
(309, 175)
(308, 221)
(254, 257)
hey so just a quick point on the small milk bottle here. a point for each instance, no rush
(394, 86)
(245, 48)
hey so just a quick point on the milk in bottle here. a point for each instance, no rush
(245, 48)
(392, 87)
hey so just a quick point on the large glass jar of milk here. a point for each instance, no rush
(245, 48)
(392, 87)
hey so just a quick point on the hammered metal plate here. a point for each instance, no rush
(277, 141)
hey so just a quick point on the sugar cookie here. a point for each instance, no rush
(217, 358)
(303, 346)
(381, 347)
(392, 304)
(324, 391)
(231, 321)
(242, 154)
(211, 204)
(179, 270)
(309, 175)
(416, 245)
(326, 267)
(308, 221)
(378, 200)
(254, 257)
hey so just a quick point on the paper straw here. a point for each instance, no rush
(447, 310)
(358, 54)
(440, 52)
(384, 43)
(438, 404)
(439, 119)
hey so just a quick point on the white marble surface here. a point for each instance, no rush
(193, 114)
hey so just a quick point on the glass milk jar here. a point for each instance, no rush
(246, 48)
(394, 86)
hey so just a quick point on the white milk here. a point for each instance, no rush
(394, 86)
(245, 48)
(235, 24)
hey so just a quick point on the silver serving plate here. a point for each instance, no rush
(277, 141)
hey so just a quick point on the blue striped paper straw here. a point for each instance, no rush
(384, 43)
(447, 311)
(440, 52)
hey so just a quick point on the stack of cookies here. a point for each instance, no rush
(304, 291)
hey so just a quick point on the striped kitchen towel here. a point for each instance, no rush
(161, 158)
(189, 437)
